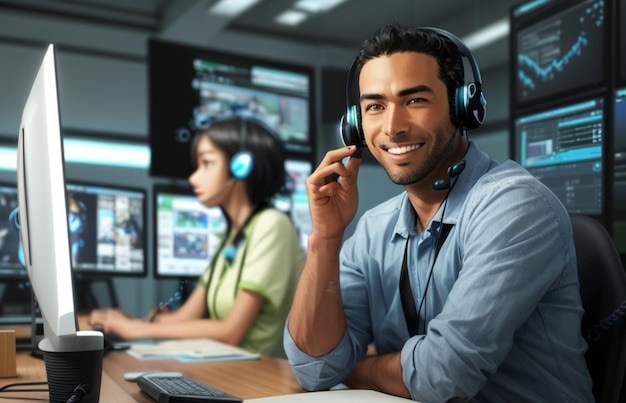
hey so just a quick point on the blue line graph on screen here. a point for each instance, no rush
(563, 51)
(548, 72)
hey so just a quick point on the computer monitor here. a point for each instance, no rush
(189, 87)
(72, 357)
(187, 233)
(107, 227)
(295, 201)
(619, 172)
(10, 265)
(558, 48)
(563, 147)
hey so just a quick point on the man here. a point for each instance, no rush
(466, 283)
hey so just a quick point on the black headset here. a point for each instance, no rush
(470, 102)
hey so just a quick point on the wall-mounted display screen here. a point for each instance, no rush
(563, 147)
(189, 87)
(557, 49)
(107, 229)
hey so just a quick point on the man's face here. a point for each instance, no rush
(406, 116)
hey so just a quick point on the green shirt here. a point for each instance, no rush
(268, 262)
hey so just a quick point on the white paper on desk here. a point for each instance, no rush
(190, 350)
(333, 396)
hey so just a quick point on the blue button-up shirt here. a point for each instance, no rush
(501, 312)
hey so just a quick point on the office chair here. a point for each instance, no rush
(603, 291)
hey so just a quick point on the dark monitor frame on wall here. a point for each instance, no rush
(191, 86)
(108, 230)
(558, 50)
(564, 152)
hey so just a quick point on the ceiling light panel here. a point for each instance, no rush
(317, 6)
(291, 17)
(231, 8)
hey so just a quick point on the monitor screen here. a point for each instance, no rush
(619, 172)
(188, 233)
(10, 265)
(107, 229)
(557, 49)
(563, 147)
(189, 87)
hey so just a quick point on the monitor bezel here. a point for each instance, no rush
(82, 274)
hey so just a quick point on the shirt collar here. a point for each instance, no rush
(477, 164)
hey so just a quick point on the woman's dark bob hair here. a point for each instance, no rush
(236, 133)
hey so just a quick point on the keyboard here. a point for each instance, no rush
(182, 389)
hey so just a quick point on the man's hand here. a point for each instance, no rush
(332, 192)
(379, 372)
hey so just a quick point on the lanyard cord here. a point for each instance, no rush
(236, 241)
(406, 294)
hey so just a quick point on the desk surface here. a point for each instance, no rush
(246, 379)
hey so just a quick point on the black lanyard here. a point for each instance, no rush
(406, 295)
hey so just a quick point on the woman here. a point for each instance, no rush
(244, 296)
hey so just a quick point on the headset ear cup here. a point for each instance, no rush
(470, 105)
(241, 165)
(350, 127)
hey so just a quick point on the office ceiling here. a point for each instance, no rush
(345, 26)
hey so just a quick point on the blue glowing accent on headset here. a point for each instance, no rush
(241, 164)
(353, 119)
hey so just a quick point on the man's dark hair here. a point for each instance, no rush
(395, 38)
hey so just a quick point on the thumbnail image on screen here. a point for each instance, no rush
(559, 53)
(106, 229)
(619, 171)
(191, 87)
(563, 148)
(10, 265)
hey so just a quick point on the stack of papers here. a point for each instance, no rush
(189, 350)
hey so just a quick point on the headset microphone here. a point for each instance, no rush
(453, 171)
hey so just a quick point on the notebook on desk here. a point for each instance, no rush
(189, 350)
(333, 396)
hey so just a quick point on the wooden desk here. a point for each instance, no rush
(246, 379)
